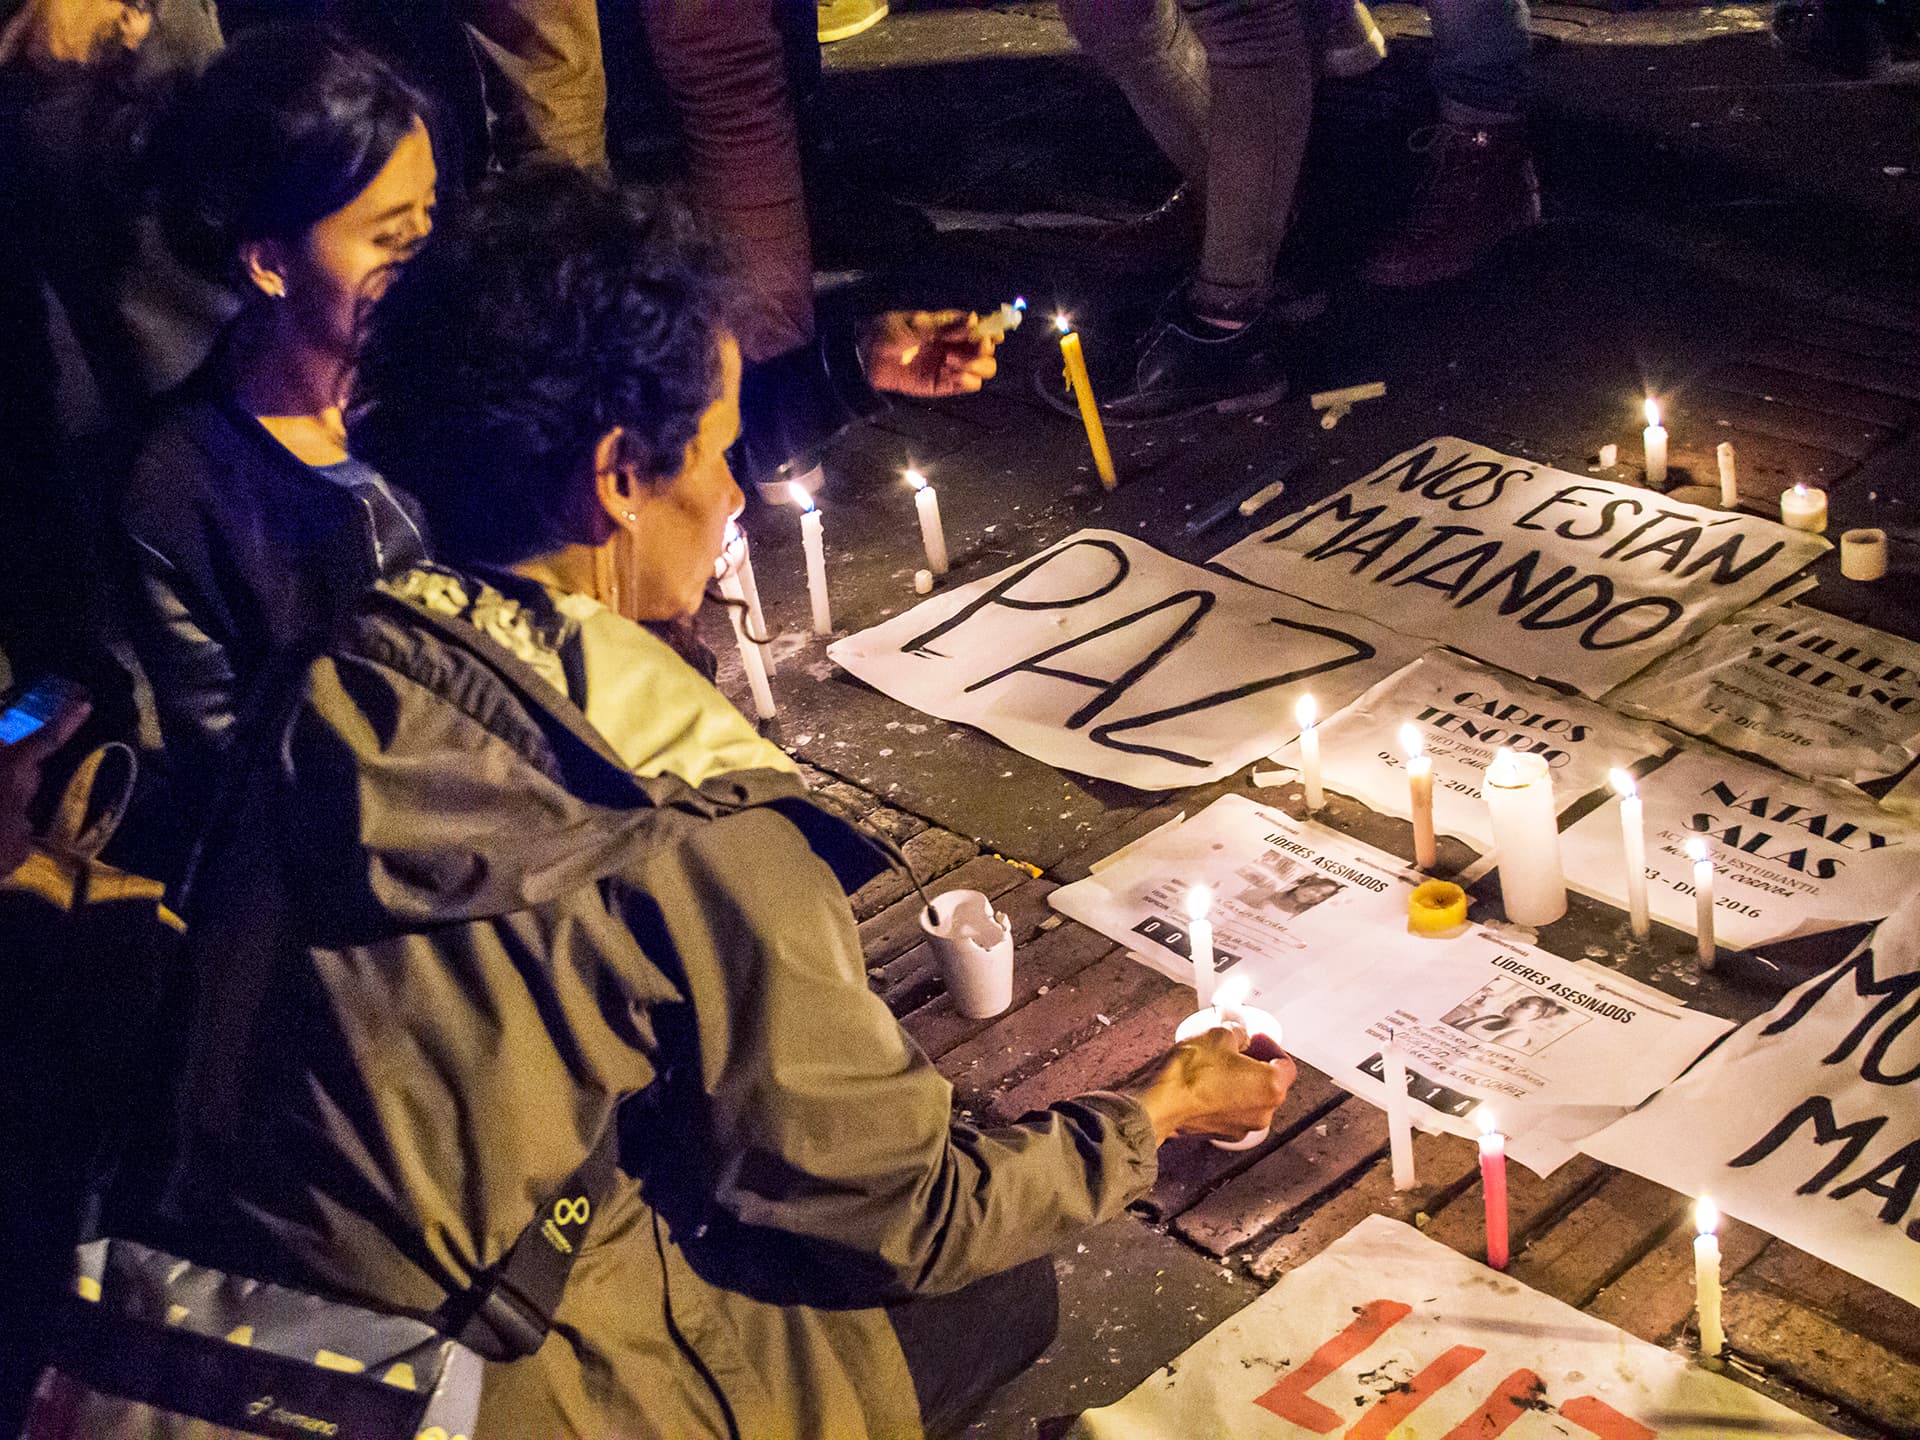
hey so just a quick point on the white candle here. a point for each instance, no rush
(1804, 507)
(1308, 714)
(1393, 1070)
(750, 587)
(1200, 942)
(932, 535)
(1729, 476)
(1609, 456)
(1526, 837)
(1655, 436)
(1420, 794)
(1633, 833)
(750, 660)
(1702, 858)
(1706, 1279)
(813, 540)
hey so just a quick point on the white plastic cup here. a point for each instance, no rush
(974, 948)
(1863, 554)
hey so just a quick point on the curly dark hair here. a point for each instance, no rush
(555, 307)
(286, 125)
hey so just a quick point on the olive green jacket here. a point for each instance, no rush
(447, 928)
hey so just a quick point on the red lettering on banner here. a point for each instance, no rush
(1605, 1421)
(1511, 1399)
(1397, 1404)
(1289, 1399)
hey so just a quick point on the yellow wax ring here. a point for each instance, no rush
(1435, 907)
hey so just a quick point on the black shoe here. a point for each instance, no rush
(1188, 366)
(1842, 37)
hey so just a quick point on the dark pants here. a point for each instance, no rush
(962, 1347)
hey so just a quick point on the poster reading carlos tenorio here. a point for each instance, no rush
(1813, 693)
(1554, 575)
(1790, 857)
(1806, 1122)
(1465, 713)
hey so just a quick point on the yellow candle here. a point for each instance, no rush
(1083, 392)
(1435, 907)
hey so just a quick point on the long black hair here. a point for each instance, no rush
(286, 126)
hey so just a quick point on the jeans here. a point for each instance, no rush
(1480, 54)
(1225, 87)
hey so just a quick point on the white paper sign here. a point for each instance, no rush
(1790, 857)
(1554, 1048)
(1387, 1333)
(1465, 712)
(1548, 573)
(1104, 656)
(1813, 693)
(1807, 1122)
(1287, 896)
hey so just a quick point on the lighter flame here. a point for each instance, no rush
(1706, 1215)
(1622, 783)
(1653, 411)
(1306, 712)
(1800, 489)
(1412, 741)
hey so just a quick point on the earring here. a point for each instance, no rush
(276, 287)
(633, 517)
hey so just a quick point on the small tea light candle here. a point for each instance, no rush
(1436, 907)
(1420, 793)
(1633, 835)
(1804, 507)
(1863, 554)
(1493, 1185)
(1200, 942)
(933, 536)
(1706, 1278)
(1729, 476)
(1307, 713)
(923, 582)
(1655, 439)
(813, 540)
(1702, 857)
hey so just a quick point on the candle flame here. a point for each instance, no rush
(1413, 741)
(1706, 1215)
(1505, 769)
(1199, 902)
(1306, 712)
(1697, 850)
(914, 478)
(800, 496)
(1483, 1118)
(1653, 411)
(1800, 489)
(1622, 783)
(1062, 324)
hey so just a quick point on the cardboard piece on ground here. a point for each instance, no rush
(1103, 656)
(1550, 574)
(1812, 693)
(1790, 857)
(1388, 1332)
(1806, 1122)
(1465, 712)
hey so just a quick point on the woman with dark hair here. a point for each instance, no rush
(504, 870)
(297, 170)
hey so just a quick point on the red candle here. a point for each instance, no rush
(1493, 1185)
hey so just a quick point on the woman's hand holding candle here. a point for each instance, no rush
(926, 353)
(1208, 1086)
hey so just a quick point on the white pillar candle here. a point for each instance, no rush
(1706, 1279)
(932, 535)
(1655, 437)
(1863, 554)
(1729, 476)
(1308, 715)
(1420, 795)
(1804, 507)
(1526, 837)
(1633, 835)
(1702, 858)
(1200, 943)
(1393, 1071)
(814, 541)
(750, 661)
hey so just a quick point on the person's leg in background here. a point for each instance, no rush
(962, 1347)
(1478, 185)
(547, 53)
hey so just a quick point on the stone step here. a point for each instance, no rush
(1599, 1239)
